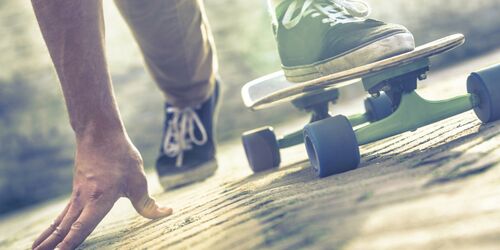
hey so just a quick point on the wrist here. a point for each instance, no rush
(107, 145)
(99, 132)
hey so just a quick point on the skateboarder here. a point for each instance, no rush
(314, 37)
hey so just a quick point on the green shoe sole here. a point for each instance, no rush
(383, 48)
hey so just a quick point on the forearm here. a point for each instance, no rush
(74, 34)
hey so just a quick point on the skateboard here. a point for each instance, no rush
(394, 107)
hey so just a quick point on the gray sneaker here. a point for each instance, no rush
(187, 154)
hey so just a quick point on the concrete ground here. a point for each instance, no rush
(435, 188)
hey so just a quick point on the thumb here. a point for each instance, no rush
(147, 207)
(143, 203)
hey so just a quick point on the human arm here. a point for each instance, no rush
(107, 164)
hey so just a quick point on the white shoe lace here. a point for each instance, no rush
(332, 11)
(180, 135)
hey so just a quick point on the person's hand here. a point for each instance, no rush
(105, 170)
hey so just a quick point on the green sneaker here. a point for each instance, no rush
(321, 37)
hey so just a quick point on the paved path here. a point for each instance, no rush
(436, 188)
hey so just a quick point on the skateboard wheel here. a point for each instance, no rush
(379, 107)
(486, 85)
(331, 146)
(261, 148)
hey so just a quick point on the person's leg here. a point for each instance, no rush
(178, 50)
(321, 37)
(177, 45)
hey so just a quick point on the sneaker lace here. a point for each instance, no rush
(180, 135)
(333, 11)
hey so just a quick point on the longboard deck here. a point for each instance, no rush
(273, 89)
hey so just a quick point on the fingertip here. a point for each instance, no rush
(159, 212)
(149, 208)
(166, 211)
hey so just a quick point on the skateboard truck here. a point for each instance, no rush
(411, 110)
(317, 104)
(402, 79)
(333, 144)
(262, 146)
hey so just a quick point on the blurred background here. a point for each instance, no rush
(36, 143)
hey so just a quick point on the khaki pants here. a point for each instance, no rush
(177, 45)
